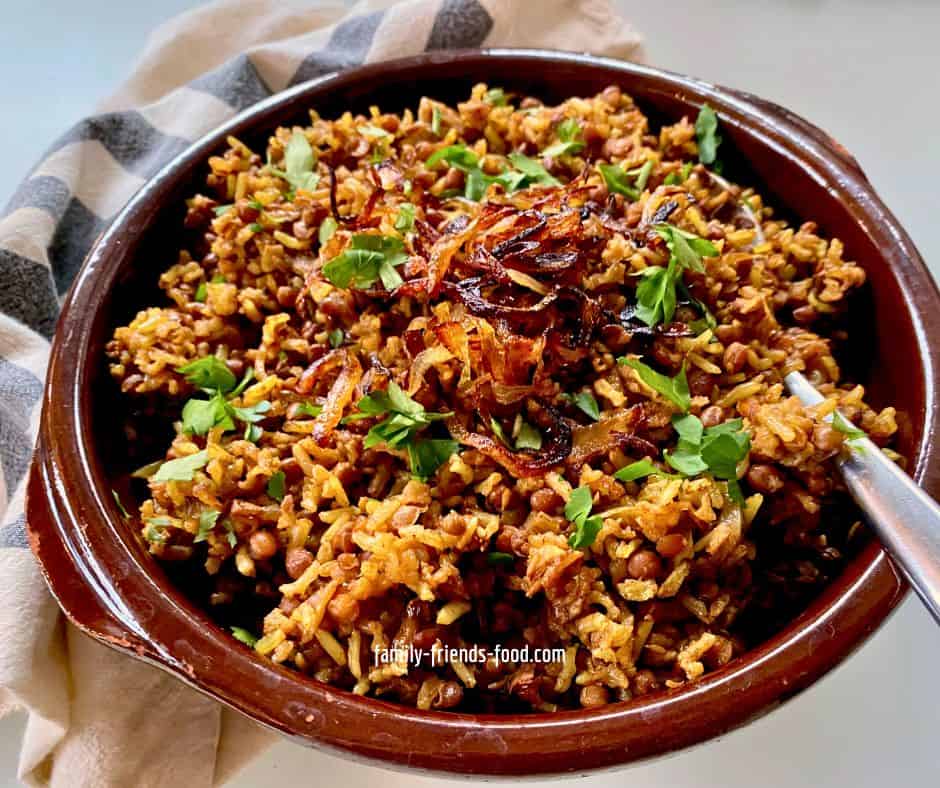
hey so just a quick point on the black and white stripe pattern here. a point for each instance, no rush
(93, 169)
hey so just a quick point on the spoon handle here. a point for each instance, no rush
(905, 518)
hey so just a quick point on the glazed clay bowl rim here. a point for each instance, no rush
(103, 581)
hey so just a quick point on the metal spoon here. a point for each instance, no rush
(905, 518)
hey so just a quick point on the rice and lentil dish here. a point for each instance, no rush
(498, 374)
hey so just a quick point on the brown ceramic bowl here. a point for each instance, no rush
(110, 587)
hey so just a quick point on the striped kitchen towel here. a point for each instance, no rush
(96, 717)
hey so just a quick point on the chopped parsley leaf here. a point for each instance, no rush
(327, 228)
(367, 258)
(629, 183)
(637, 470)
(496, 97)
(578, 511)
(528, 437)
(585, 402)
(675, 389)
(497, 558)
(716, 450)
(209, 373)
(426, 455)
(656, 293)
(569, 135)
(230, 533)
(405, 221)
(277, 486)
(117, 499)
(200, 415)
(299, 161)
(405, 419)
(706, 132)
(309, 409)
(207, 520)
(244, 636)
(846, 427)
(182, 468)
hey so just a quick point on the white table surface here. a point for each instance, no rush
(865, 71)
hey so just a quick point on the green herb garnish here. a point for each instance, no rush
(406, 418)
(586, 403)
(207, 520)
(846, 427)
(676, 389)
(569, 134)
(706, 132)
(230, 533)
(497, 558)
(436, 121)
(675, 178)
(459, 156)
(426, 455)
(182, 468)
(500, 433)
(578, 511)
(496, 97)
(253, 433)
(629, 183)
(527, 171)
(244, 636)
(148, 470)
(155, 534)
(687, 248)
(716, 450)
(367, 258)
(200, 416)
(277, 486)
(336, 337)
(299, 161)
(327, 228)
(309, 409)
(533, 171)
(120, 506)
(637, 470)
(528, 437)
(251, 414)
(221, 209)
(405, 221)
(209, 373)
(656, 293)
(201, 292)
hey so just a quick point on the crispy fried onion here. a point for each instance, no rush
(599, 439)
(496, 364)
(574, 316)
(424, 361)
(341, 392)
(556, 443)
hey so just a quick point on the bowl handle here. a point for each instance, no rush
(810, 129)
(58, 555)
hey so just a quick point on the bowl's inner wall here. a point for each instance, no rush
(884, 360)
